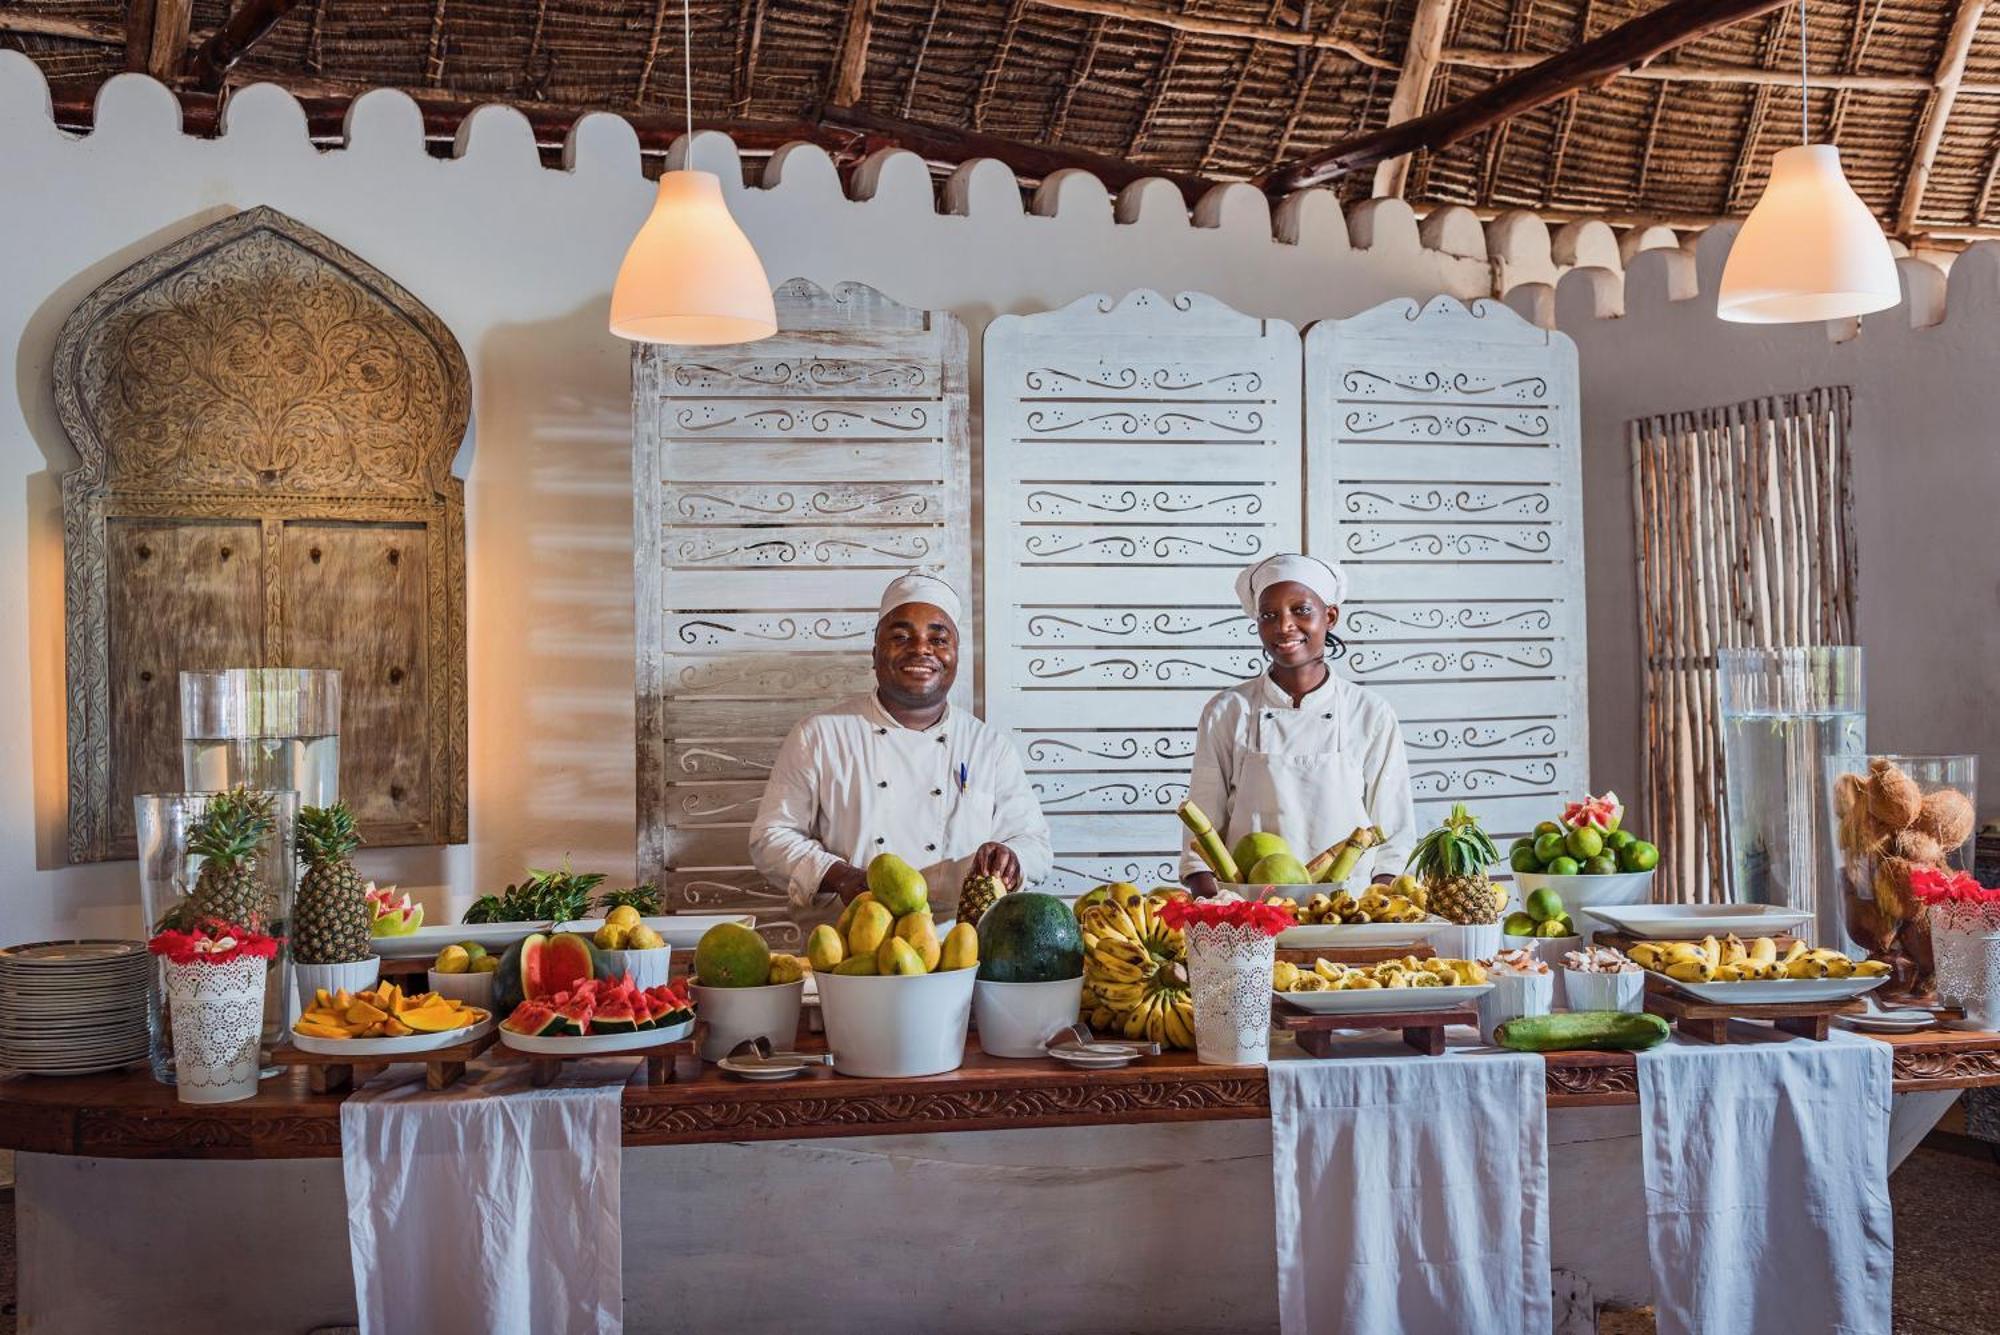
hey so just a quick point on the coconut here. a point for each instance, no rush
(1947, 817)
(1892, 887)
(1915, 846)
(1893, 796)
(1847, 790)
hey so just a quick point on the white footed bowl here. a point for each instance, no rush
(355, 976)
(1018, 1019)
(1580, 892)
(474, 989)
(895, 1024)
(1466, 941)
(647, 967)
(1514, 995)
(770, 1012)
(1605, 991)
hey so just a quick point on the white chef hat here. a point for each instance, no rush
(1322, 577)
(917, 587)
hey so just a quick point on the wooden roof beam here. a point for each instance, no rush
(213, 59)
(852, 62)
(93, 31)
(1200, 25)
(1945, 88)
(1603, 57)
(156, 36)
(1413, 86)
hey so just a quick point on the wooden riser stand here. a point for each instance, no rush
(670, 1062)
(1709, 1022)
(443, 1067)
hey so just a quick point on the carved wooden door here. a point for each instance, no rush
(266, 425)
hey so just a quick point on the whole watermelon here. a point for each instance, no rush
(1029, 938)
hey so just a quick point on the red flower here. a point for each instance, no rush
(1934, 885)
(202, 944)
(1269, 919)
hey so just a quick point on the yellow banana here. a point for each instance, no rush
(1764, 950)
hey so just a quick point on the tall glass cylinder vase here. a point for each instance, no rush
(1229, 973)
(1893, 814)
(170, 871)
(263, 728)
(1785, 714)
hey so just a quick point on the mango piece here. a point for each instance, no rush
(919, 929)
(825, 948)
(872, 924)
(364, 1014)
(897, 885)
(857, 966)
(902, 959)
(961, 948)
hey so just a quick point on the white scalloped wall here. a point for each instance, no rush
(1926, 446)
(518, 260)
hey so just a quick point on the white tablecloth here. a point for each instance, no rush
(471, 1214)
(1767, 1184)
(1412, 1193)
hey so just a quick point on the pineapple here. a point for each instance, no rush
(332, 920)
(1451, 861)
(228, 837)
(977, 895)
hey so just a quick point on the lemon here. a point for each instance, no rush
(624, 916)
(452, 959)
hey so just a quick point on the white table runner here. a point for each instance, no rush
(489, 1208)
(1412, 1193)
(1767, 1184)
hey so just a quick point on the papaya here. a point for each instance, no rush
(896, 885)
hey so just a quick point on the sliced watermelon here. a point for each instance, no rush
(533, 1018)
(575, 1014)
(613, 1016)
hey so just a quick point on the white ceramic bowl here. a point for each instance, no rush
(474, 989)
(647, 967)
(355, 976)
(1580, 892)
(1466, 941)
(1605, 991)
(1018, 1019)
(1513, 996)
(896, 1024)
(733, 1014)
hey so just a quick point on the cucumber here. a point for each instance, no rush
(1607, 1031)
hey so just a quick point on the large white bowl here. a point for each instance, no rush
(354, 976)
(1466, 941)
(648, 968)
(896, 1024)
(733, 1014)
(1018, 1019)
(1580, 892)
(475, 989)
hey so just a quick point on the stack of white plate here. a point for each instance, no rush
(72, 1007)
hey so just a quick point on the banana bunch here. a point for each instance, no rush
(1409, 971)
(1732, 960)
(1135, 971)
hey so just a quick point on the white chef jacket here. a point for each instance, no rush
(852, 782)
(1344, 738)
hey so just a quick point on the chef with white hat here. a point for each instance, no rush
(1298, 751)
(898, 770)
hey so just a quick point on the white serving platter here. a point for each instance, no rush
(680, 930)
(595, 1045)
(1323, 935)
(1377, 1000)
(1759, 991)
(1679, 922)
(375, 1049)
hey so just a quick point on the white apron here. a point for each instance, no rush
(1299, 782)
(914, 804)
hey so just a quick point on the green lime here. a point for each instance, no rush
(1518, 924)
(1544, 905)
(1564, 866)
(1525, 841)
(1604, 864)
(1585, 842)
(1524, 859)
(1639, 856)
(1555, 927)
(1548, 827)
(1549, 847)
(1619, 838)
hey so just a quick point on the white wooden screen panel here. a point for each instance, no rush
(778, 487)
(1137, 453)
(1444, 474)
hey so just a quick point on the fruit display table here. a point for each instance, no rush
(129, 1115)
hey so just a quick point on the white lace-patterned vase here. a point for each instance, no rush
(1967, 949)
(218, 1014)
(1229, 973)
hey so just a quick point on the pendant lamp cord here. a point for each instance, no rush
(687, 68)
(1805, 131)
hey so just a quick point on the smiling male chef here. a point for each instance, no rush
(898, 770)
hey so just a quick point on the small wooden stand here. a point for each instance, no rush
(443, 1067)
(663, 1065)
(1422, 1030)
(1709, 1021)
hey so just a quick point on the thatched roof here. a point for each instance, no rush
(1208, 88)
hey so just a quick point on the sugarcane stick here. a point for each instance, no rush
(1336, 864)
(1209, 844)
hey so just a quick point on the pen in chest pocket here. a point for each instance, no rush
(963, 775)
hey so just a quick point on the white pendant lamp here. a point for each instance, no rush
(1810, 250)
(690, 276)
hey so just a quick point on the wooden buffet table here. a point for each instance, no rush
(129, 1115)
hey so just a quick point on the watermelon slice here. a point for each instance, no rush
(533, 1018)
(614, 1016)
(574, 1013)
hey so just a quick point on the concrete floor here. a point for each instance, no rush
(1946, 1194)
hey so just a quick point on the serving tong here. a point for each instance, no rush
(758, 1052)
(1079, 1040)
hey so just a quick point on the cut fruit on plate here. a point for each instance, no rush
(1763, 991)
(596, 1045)
(1680, 922)
(376, 1049)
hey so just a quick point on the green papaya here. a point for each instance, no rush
(1573, 1031)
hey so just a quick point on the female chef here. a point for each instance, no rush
(1297, 751)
